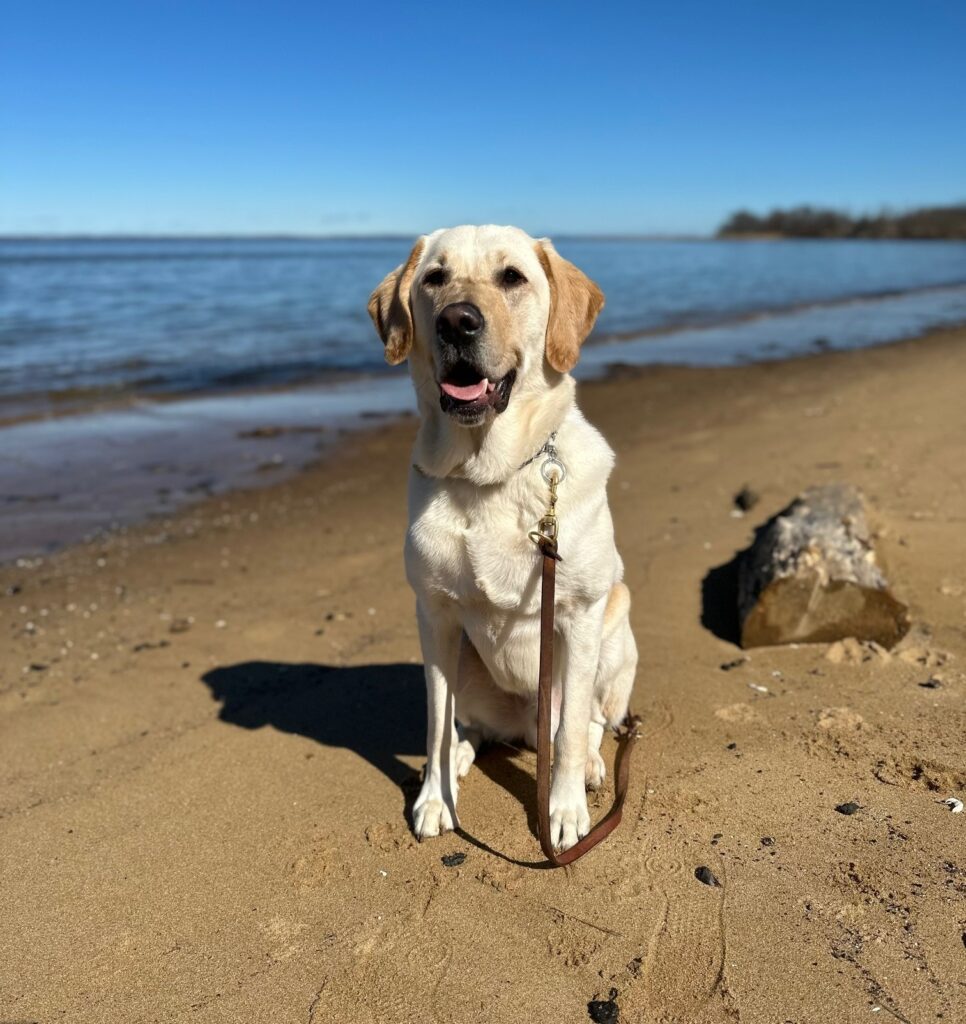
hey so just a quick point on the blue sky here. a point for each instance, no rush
(344, 118)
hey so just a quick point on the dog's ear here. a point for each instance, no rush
(575, 302)
(390, 309)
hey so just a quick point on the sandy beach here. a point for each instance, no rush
(212, 729)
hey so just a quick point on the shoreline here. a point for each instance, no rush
(214, 726)
(75, 475)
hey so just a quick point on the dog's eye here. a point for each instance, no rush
(435, 278)
(512, 277)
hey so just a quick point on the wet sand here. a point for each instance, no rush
(213, 727)
(66, 479)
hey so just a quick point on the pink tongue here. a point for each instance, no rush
(469, 393)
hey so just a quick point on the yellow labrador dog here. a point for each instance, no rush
(491, 321)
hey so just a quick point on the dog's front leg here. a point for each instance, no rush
(579, 642)
(439, 634)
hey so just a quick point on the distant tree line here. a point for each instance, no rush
(815, 222)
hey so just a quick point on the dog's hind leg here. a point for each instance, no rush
(595, 772)
(615, 679)
(483, 710)
(466, 750)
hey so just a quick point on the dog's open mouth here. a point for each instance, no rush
(467, 394)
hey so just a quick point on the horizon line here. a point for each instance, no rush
(293, 236)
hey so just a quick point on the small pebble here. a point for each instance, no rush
(849, 808)
(453, 860)
(746, 499)
(705, 876)
(604, 1011)
(147, 646)
(956, 806)
(767, 841)
(932, 683)
(729, 665)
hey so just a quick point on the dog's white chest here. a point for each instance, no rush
(472, 549)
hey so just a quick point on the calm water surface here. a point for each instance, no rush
(179, 316)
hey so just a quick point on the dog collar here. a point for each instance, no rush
(552, 464)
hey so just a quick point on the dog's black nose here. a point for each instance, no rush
(459, 323)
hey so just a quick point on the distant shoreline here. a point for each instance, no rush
(923, 224)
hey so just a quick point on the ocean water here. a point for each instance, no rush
(176, 317)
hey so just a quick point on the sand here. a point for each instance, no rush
(212, 730)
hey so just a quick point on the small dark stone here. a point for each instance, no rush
(729, 665)
(746, 499)
(14, 589)
(767, 841)
(604, 1011)
(849, 808)
(704, 875)
(732, 746)
(36, 666)
(453, 860)
(931, 684)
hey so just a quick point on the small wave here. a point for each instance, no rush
(770, 311)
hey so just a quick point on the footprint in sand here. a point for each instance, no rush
(684, 966)
(737, 713)
(671, 929)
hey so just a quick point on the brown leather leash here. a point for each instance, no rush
(545, 537)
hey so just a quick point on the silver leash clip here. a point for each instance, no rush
(552, 466)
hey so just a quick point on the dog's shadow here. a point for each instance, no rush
(377, 711)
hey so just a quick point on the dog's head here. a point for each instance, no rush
(482, 309)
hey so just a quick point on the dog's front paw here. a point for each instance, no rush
(431, 816)
(569, 817)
